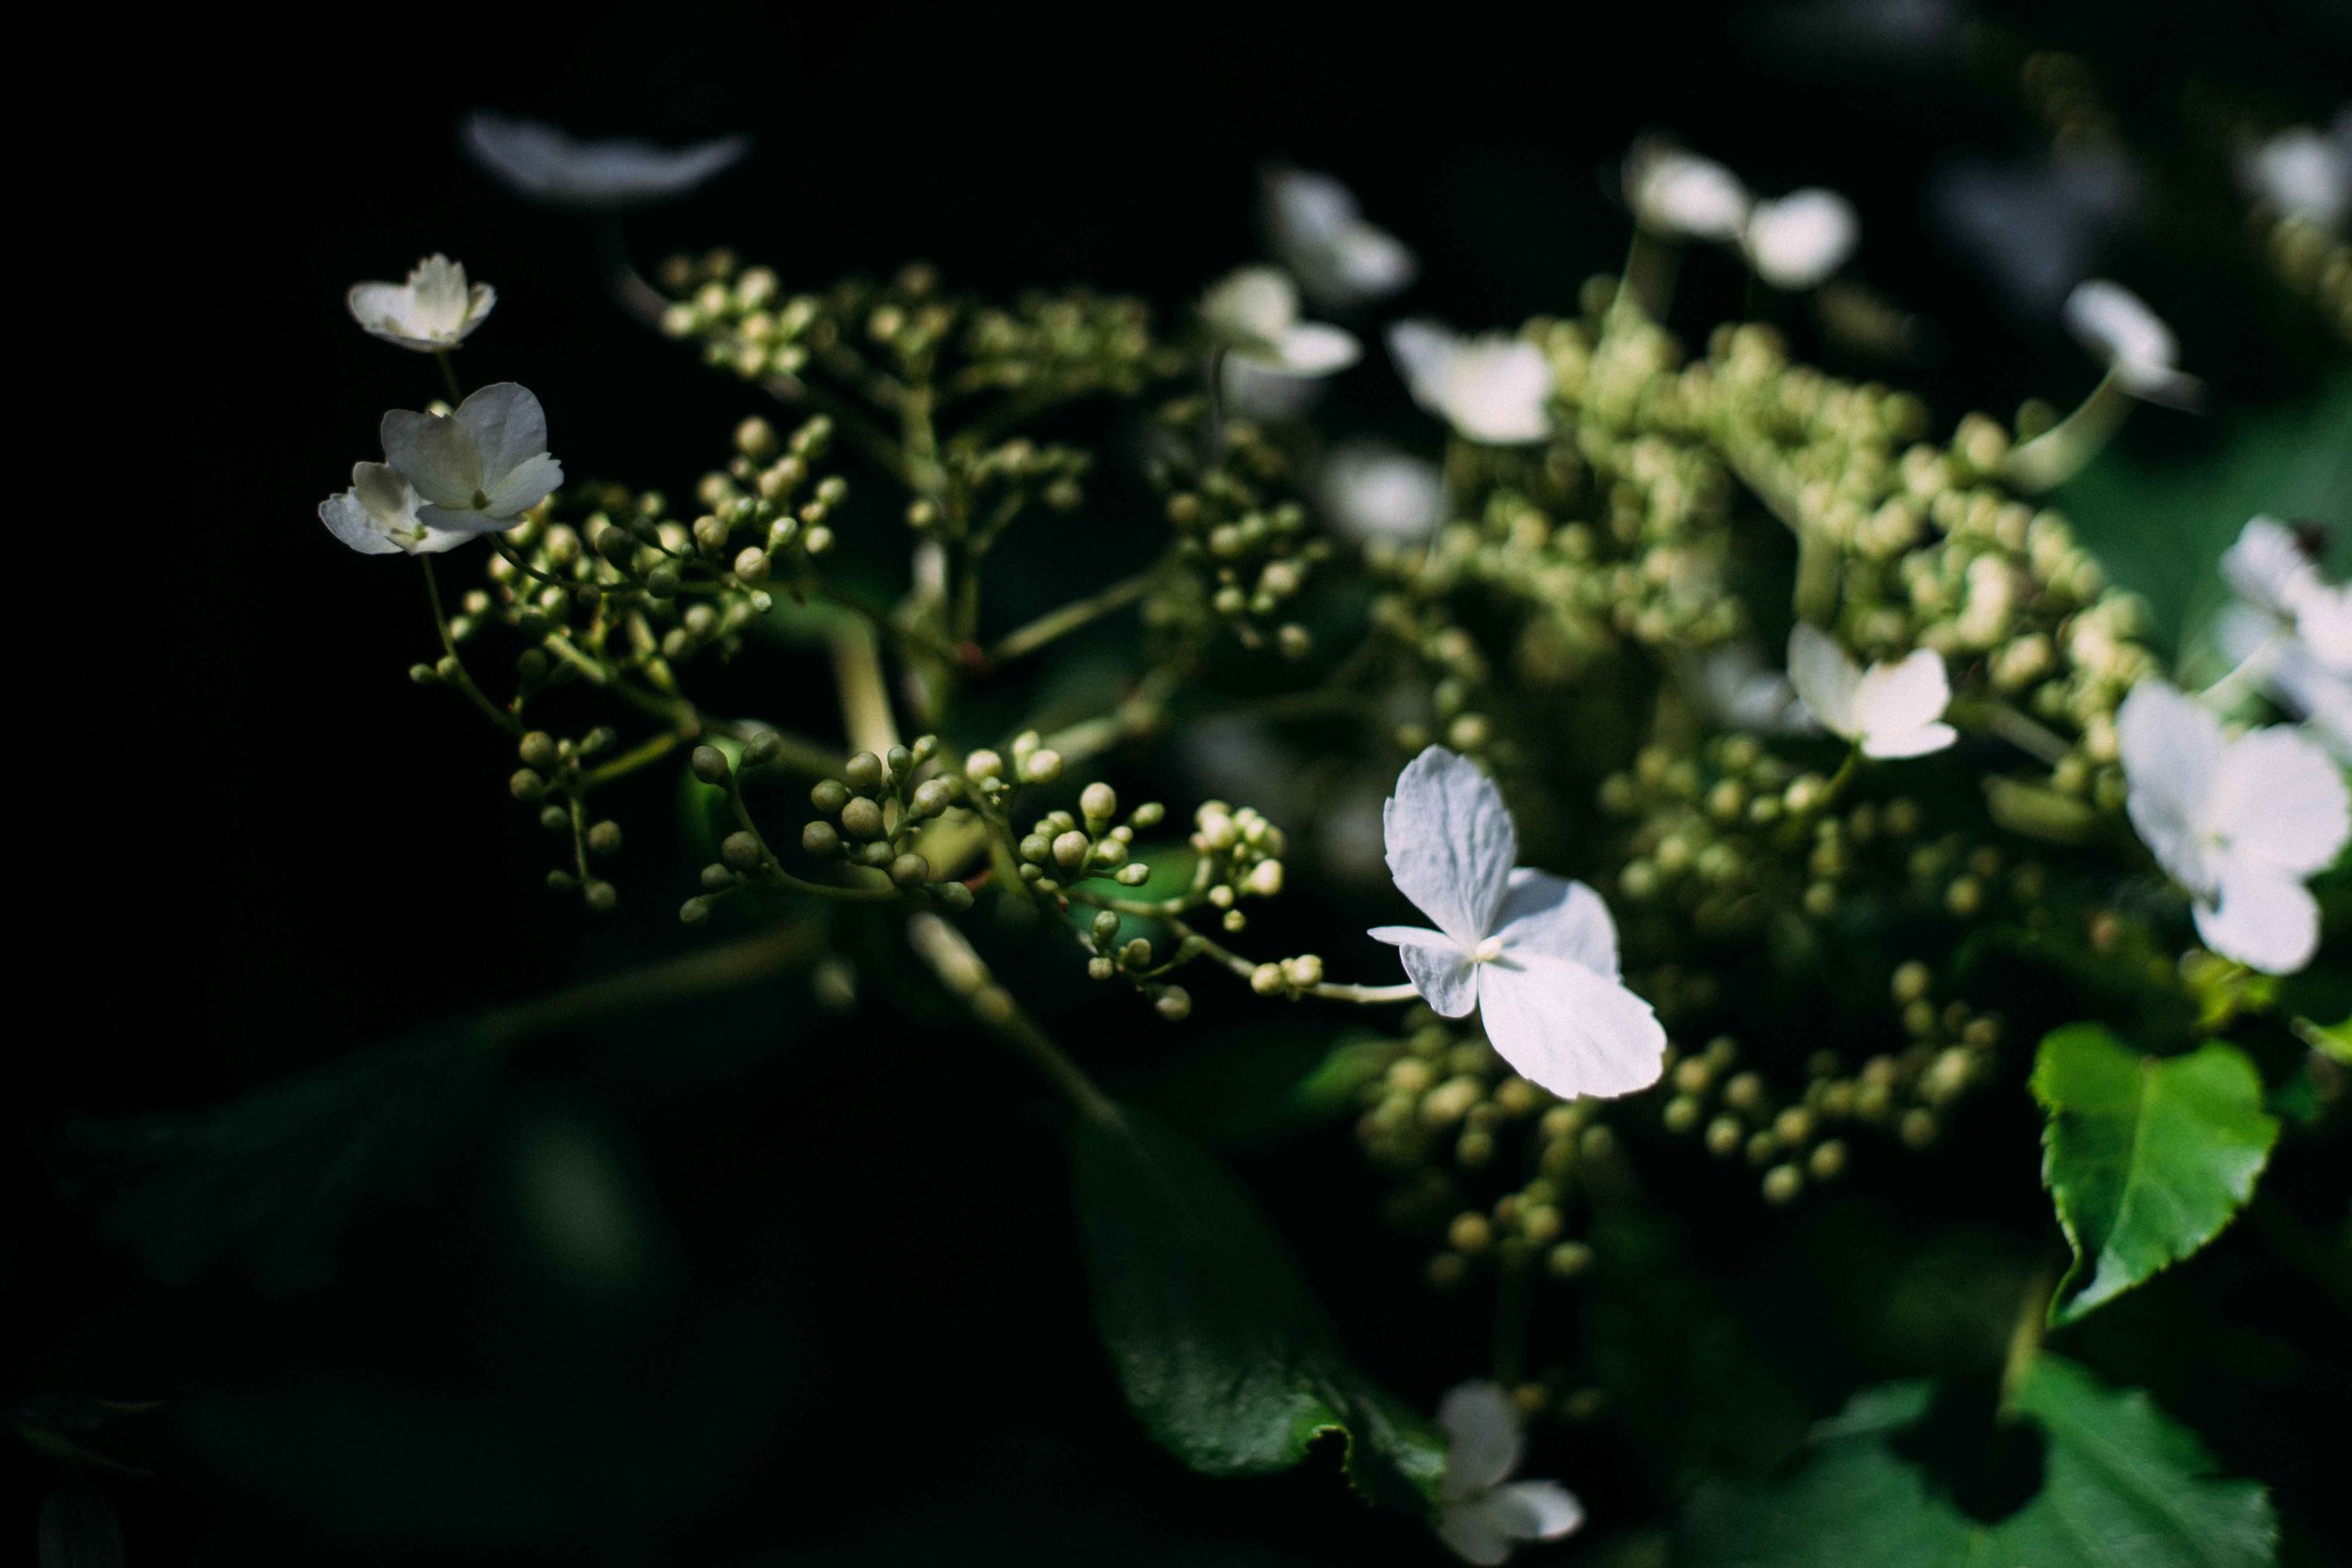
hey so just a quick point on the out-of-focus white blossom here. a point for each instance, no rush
(1374, 493)
(1534, 954)
(377, 515)
(546, 164)
(2304, 172)
(433, 310)
(1736, 688)
(1889, 710)
(2293, 628)
(2241, 823)
(479, 469)
(1318, 233)
(1675, 191)
(1254, 314)
(1495, 388)
(1483, 1515)
(1797, 241)
(2138, 349)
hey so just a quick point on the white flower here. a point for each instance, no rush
(1889, 710)
(433, 310)
(2241, 823)
(1483, 1515)
(377, 515)
(1317, 232)
(1495, 388)
(1535, 954)
(2304, 172)
(1376, 493)
(1735, 689)
(479, 468)
(2138, 349)
(1797, 241)
(1675, 191)
(544, 163)
(2294, 627)
(1254, 313)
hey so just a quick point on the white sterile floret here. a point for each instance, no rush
(2302, 172)
(1674, 192)
(1495, 388)
(546, 164)
(1318, 233)
(1797, 241)
(434, 309)
(1483, 1515)
(1536, 955)
(479, 468)
(2291, 628)
(377, 515)
(2132, 341)
(1889, 710)
(1376, 493)
(2241, 823)
(1254, 314)
(1735, 687)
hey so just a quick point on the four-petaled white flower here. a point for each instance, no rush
(479, 468)
(1376, 493)
(1318, 233)
(1483, 1515)
(2139, 350)
(1495, 388)
(1797, 241)
(377, 515)
(1889, 710)
(1254, 315)
(1675, 191)
(433, 310)
(2241, 823)
(1534, 954)
(546, 164)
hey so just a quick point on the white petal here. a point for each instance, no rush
(1259, 389)
(1535, 1510)
(1826, 679)
(1552, 917)
(383, 308)
(2267, 567)
(525, 487)
(542, 162)
(1376, 493)
(1450, 843)
(1370, 263)
(2172, 749)
(508, 427)
(1422, 350)
(2116, 327)
(435, 454)
(463, 521)
(1894, 745)
(1498, 390)
(1482, 1439)
(1339, 259)
(2304, 173)
(1679, 193)
(2262, 919)
(1256, 305)
(2279, 802)
(1472, 1533)
(1902, 698)
(1440, 968)
(1798, 241)
(1567, 1029)
(350, 521)
(1312, 348)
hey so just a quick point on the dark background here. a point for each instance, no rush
(833, 1313)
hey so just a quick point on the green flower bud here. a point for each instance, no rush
(710, 764)
(1070, 850)
(604, 838)
(983, 765)
(864, 773)
(742, 851)
(1041, 766)
(1173, 1003)
(820, 839)
(538, 750)
(694, 911)
(909, 870)
(828, 796)
(524, 785)
(602, 898)
(1098, 803)
(862, 817)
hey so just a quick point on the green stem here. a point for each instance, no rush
(1069, 617)
(449, 376)
(961, 968)
(736, 963)
(1999, 719)
(2024, 1337)
(2064, 449)
(496, 714)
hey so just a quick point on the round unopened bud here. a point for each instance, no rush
(820, 839)
(1134, 874)
(524, 785)
(1098, 803)
(828, 796)
(555, 818)
(694, 911)
(1304, 971)
(1568, 1260)
(1265, 879)
(983, 765)
(862, 818)
(741, 850)
(1267, 980)
(952, 897)
(1042, 767)
(763, 749)
(751, 564)
(1071, 850)
(602, 898)
(1173, 1003)
(909, 870)
(662, 581)
(933, 796)
(710, 764)
(538, 750)
(864, 773)
(604, 838)
(1782, 1185)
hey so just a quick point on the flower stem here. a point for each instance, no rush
(1069, 617)
(496, 714)
(2064, 449)
(449, 376)
(960, 968)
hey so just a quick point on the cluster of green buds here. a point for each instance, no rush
(991, 776)
(1249, 544)
(739, 315)
(989, 486)
(1239, 857)
(1063, 847)
(768, 514)
(556, 776)
(1114, 954)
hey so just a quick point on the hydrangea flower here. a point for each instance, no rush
(1889, 710)
(1534, 954)
(433, 310)
(1483, 1515)
(1495, 388)
(1254, 314)
(479, 468)
(1318, 233)
(1376, 493)
(2139, 350)
(377, 515)
(1797, 241)
(2304, 172)
(1675, 191)
(2240, 823)
(546, 164)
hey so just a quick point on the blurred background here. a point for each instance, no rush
(755, 1279)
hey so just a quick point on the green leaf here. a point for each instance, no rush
(2147, 1157)
(2121, 1486)
(1218, 1344)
